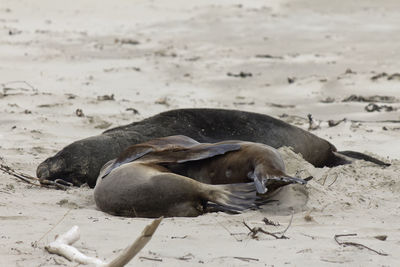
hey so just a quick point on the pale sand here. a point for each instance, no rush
(71, 53)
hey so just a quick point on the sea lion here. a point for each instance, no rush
(157, 178)
(145, 190)
(81, 161)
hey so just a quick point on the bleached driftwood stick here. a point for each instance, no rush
(63, 247)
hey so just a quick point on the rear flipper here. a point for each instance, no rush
(260, 201)
(231, 198)
(347, 157)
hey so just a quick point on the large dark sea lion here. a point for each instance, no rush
(177, 176)
(81, 161)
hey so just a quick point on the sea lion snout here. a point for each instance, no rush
(50, 168)
(54, 168)
(42, 171)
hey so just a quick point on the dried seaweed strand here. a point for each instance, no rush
(150, 259)
(278, 235)
(270, 222)
(247, 259)
(345, 243)
(255, 230)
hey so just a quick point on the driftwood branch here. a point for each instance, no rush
(63, 247)
(361, 246)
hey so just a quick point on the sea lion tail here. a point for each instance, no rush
(233, 197)
(347, 157)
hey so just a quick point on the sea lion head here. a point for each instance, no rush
(65, 165)
(79, 162)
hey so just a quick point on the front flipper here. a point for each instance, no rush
(127, 156)
(194, 153)
(158, 151)
(135, 152)
(267, 183)
(274, 183)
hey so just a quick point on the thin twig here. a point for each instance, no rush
(230, 233)
(362, 121)
(179, 237)
(58, 183)
(356, 244)
(326, 177)
(34, 244)
(22, 174)
(382, 121)
(25, 82)
(290, 223)
(334, 181)
(2, 191)
(12, 172)
(186, 257)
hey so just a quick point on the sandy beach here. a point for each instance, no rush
(70, 70)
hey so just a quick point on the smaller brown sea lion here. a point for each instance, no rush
(148, 190)
(158, 178)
